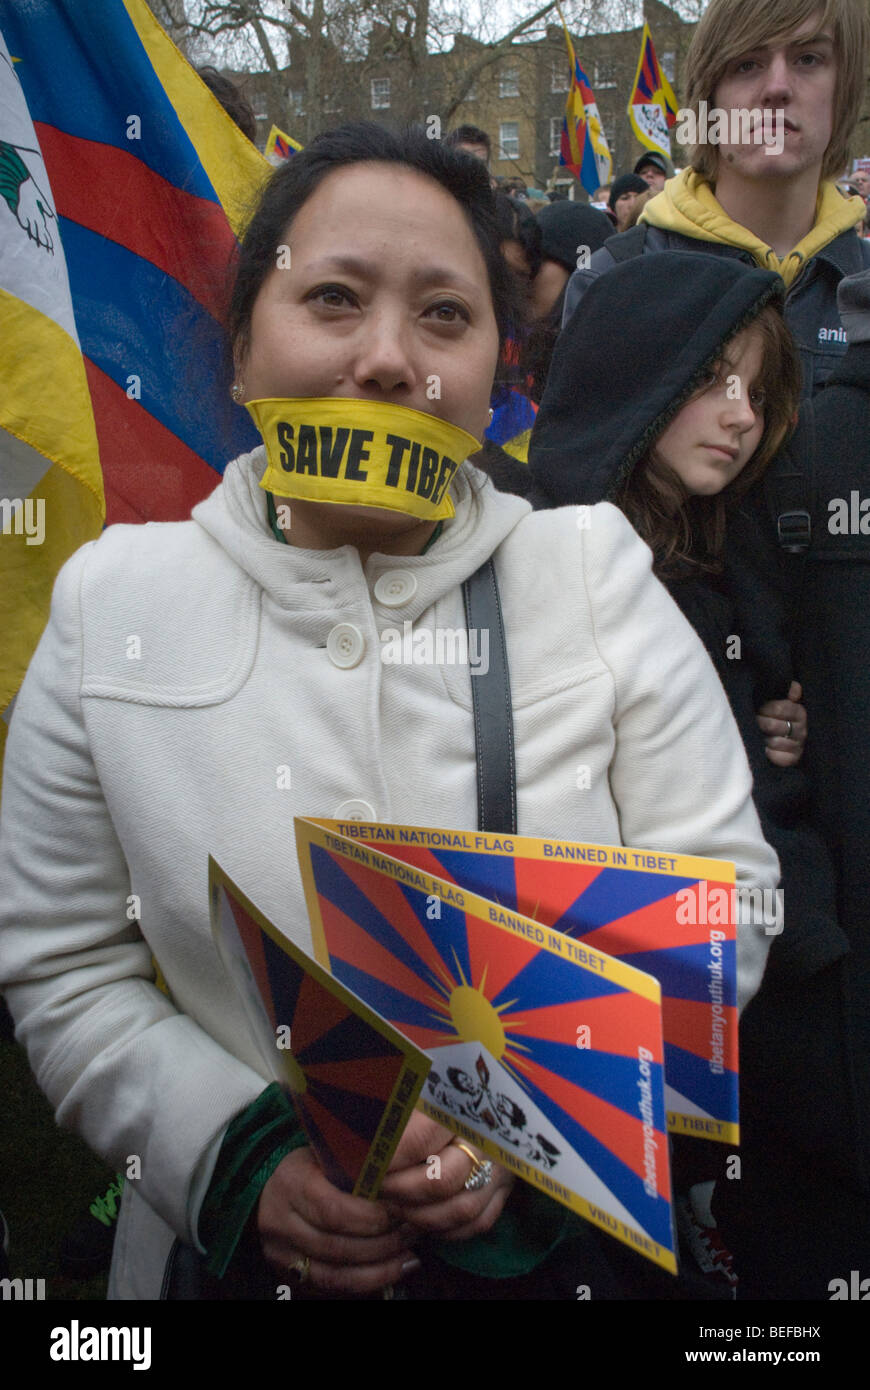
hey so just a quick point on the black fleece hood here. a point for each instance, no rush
(639, 343)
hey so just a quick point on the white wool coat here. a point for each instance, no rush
(184, 665)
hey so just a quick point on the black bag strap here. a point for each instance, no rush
(624, 246)
(492, 706)
(789, 486)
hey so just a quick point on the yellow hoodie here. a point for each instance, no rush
(687, 205)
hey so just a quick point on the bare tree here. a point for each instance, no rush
(329, 35)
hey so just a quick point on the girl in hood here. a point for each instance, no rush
(670, 393)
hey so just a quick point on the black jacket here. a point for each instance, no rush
(811, 301)
(801, 1211)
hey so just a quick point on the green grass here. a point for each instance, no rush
(48, 1179)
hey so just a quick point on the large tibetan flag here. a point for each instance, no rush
(584, 149)
(652, 106)
(280, 146)
(151, 181)
(51, 492)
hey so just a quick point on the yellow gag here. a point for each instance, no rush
(361, 453)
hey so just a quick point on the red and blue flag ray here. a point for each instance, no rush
(635, 917)
(146, 168)
(384, 948)
(347, 1069)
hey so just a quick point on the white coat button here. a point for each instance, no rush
(395, 588)
(355, 809)
(345, 645)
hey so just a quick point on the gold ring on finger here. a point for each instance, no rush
(302, 1267)
(481, 1169)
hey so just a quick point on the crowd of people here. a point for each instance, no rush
(686, 364)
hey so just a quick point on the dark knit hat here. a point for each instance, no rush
(626, 183)
(658, 160)
(630, 356)
(565, 226)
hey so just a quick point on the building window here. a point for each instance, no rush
(509, 140)
(608, 130)
(560, 78)
(509, 82)
(380, 93)
(297, 102)
(605, 72)
(555, 136)
(669, 66)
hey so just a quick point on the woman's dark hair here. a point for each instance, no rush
(232, 99)
(684, 531)
(516, 222)
(460, 174)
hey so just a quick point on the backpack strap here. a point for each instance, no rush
(626, 245)
(789, 487)
(492, 706)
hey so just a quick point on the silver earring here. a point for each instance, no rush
(237, 390)
(491, 413)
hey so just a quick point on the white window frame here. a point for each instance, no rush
(607, 64)
(509, 82)
(668, 63)
(502, 151)
(378, 104)
(560, 78)
(556, 123)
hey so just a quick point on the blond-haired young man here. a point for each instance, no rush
(761, 186)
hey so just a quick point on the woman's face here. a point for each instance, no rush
(716, 433)
(386, 298)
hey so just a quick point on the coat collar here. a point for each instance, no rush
(235, 516)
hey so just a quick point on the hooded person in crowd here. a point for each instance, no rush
(799, 1220)
(774, 91)
(676, 424)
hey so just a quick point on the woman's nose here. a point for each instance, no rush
(385, 357)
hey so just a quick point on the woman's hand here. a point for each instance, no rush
(425, 1186)
(785, 723)
(352, 1245)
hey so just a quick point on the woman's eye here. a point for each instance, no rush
(757, 398)
(744, 65)
(332, 296)
(447, 311)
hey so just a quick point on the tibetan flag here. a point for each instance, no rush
(584, 148)
(677, 921)
(547, 1054)
(280, 146)
(51, 491)
(652, 106)
(353, 1079)
(151, 182)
